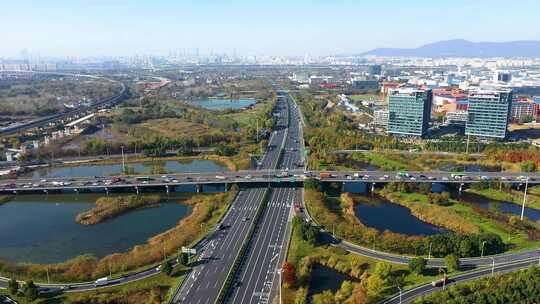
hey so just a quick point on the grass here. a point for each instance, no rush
(248, 116)
(156, 289)
(170, 128)
(517, 239)
(431, 213)
(111, 207)
(339, 259)
(512, 196)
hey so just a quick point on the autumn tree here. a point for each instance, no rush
(289, 275)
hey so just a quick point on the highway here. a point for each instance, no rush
(108, 102)
(408, 296)
(258, 280)
(207, 279)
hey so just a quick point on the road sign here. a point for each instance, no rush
(189, 250)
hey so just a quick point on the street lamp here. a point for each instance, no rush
(399, 293)
(483, 243)
(492, 266)
(524, 197)
(429, 254)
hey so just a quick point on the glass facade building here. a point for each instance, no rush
(409, 111)
(489, 111)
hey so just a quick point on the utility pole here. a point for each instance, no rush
(123, 161)
(483, 243)
(429, 254)
(493, 267)
(524, 198)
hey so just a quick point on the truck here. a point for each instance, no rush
(101, 282)
(325, 175)
(221, 177)
(440, 282)
(298, 208)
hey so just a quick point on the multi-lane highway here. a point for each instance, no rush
(259, 277)
(207, 280)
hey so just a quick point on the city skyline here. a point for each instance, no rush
(317, 28)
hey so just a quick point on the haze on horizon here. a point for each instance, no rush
(113, 28)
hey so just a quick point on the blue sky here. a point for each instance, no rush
(122, 27)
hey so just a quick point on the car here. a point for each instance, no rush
(245, 219)
(248, 176)
(431, 178)
(158, 268)
(444, 178)
(65, 287)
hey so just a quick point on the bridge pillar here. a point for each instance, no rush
(107, 190)
(46, 191)
(137, 189)
(199, 188)
(76, 190)
(460, 188)
(15, 192)
(372, 187)
(167, 188)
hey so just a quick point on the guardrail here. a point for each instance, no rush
(226, 287)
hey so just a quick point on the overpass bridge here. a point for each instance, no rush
(172, 182)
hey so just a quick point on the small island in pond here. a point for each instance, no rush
(111, 207)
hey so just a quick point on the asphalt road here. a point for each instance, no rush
(206, 279)
(258, 280)
(409, 296)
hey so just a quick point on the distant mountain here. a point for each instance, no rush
(464, 48)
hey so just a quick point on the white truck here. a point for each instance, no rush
(101, 282)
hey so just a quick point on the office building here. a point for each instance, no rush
(375, 69)
(456, 118)
(409, 111)
(489, 111)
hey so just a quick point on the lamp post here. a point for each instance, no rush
(399, 293)
(524, 197)
(429, 253)
(483, 243)
(493, 267)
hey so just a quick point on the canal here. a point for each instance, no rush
(42, 229)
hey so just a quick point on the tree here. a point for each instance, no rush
(30, 291)
(528, 166)
(375, 285)
(383, 270)
(360, 295)
(166, 268)
(417, 265)
(183, 259)
(326, 297)
(289, 274)
(344, 292)
(13, 286)
(452, 262)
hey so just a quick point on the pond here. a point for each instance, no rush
(505, 207)
(223, 104)
(42, 229)
(454, 167)
(324, 278)
(188, 166)
(384, 215)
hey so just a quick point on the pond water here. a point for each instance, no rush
(468, 168)
(42, 229)
(222, 104)
(324, 278)
(505, 207)
(383, 215)
(189, 166)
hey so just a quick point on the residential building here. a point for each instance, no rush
(409, 111)
(380, 118)
(523, 109)
(375, 69)
(489, 112)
